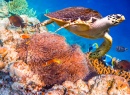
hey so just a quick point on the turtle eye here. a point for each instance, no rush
(93, 20)
(118, 17)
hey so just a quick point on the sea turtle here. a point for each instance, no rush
(88, 23)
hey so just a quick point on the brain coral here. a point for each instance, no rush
(40, 48)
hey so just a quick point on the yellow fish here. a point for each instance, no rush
(25, 36)
(52, 61)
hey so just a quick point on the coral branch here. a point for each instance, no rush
(102, 69)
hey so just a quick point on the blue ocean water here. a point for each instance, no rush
(119, 33)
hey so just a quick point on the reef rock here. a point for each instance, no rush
(108, 85)
(3, 9)
(99, 85)
(23, 75)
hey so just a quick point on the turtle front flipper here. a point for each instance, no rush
(104, 47)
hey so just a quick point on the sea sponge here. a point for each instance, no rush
(41, 48)
(102, 69)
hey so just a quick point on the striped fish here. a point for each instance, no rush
(121, 49)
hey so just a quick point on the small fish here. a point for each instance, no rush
(108, 60)
(25, 36)
(121, 49)
(52, 61)
(92, 47)
(17, 21)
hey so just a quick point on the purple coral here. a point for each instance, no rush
(46, 46)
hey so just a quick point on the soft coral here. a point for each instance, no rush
(46, 46)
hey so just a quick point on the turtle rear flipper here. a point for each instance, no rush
(104, 47)
(46, 22)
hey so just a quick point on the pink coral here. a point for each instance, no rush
(41, 48)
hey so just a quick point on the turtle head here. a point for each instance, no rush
(115, 19)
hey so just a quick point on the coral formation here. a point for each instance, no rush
(99, 85)
(102, 69)
(3, 9)
(108, 85)
(46, 46)
(36, 60)
(123, 65)
(21, 72)
(20, 7)
(10, 36)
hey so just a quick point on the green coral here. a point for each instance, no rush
(20, 7)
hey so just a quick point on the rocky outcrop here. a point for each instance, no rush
(99, 85)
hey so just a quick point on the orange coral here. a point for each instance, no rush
(3, 52)
(102, 69)
(44, 47)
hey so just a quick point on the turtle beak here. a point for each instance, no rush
(122, 18)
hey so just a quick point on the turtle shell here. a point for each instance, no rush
(73, 13)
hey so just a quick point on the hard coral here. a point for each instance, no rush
(10, 36)
(98, 85)
(20, 7)
(102, 69)
(3, 9)
(41, 48)
(124, 65)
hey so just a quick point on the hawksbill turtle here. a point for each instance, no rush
(88, 23)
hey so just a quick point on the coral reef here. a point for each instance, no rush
(3, 9)
(9, 87)
(99, 85)
(123, 65)
(33, 60)
(10, 36)
(46, 46)
(20, 7)
(23, 75)
(102, 69)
